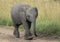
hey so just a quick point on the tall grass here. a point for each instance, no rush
(6, 22)
(48, 27)
(48, 20)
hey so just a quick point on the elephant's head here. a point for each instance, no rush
(32, 14)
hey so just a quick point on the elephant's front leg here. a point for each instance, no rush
(28, 35)
(16, 32)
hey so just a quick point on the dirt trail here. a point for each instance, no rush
(6, 35)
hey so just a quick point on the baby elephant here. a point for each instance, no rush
(23, 14)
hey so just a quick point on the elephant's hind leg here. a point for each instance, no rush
(16, 32)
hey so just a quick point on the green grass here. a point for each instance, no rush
(48, 26)
(6, 21)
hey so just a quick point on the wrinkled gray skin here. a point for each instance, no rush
(24, 15)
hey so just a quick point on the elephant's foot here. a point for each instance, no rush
(35, 34)
(28, 36)
(16, 34)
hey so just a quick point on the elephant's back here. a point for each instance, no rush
(18, 7)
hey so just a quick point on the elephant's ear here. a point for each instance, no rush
(34, 11)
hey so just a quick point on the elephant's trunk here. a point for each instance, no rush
(34, 26)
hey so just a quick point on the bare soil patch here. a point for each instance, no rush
(6, 35)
